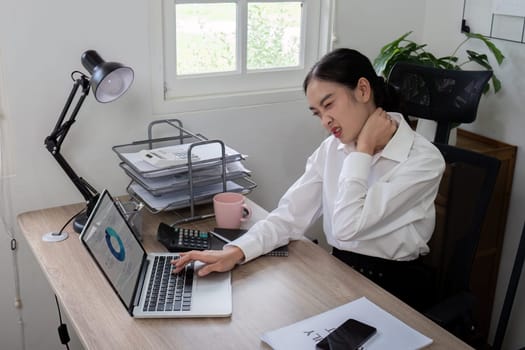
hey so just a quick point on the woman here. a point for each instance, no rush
(374, 181)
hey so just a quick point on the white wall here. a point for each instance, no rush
(368, 25)
(41, 43)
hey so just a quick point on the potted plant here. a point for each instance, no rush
(403, 49)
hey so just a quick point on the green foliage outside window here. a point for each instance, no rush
(207, 37)
(273, 35)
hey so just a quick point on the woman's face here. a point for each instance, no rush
(343, 112)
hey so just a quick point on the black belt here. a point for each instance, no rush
(371, 265)
(410, 280)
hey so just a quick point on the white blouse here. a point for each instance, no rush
(381, 205)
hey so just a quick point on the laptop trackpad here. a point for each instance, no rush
(213, 292)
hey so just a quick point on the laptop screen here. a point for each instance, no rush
(113, 245)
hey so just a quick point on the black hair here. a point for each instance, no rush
(346, 66)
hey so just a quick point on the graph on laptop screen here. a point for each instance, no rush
(114, 246)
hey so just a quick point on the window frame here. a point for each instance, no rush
(169, 94)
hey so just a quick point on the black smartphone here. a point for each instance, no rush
(351, 335)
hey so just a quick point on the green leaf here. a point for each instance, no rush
(394, 43)
(390, 52)
(400, 56)
(496, 83)
(414, 47)
(495, 51)
(480, 59)
(382, 60)
(446, 64)
(449, 58)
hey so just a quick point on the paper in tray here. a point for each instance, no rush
(180, 199)
(168, 183)
(207, 153)
(167, 188)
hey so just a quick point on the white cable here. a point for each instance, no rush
(6, 211)
(16, 279)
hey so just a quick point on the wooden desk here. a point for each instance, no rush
(268, 293)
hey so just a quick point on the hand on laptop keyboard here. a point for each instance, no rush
(214, 260)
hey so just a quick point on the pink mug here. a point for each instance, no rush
(230, 210)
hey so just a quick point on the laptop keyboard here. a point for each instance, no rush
(168, 291)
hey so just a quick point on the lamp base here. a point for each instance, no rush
(80, 222)
(78, 225)
(55, 236)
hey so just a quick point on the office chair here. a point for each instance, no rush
(446, 96)
(511, 293)
(462, 201)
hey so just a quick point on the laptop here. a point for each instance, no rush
(143, 281)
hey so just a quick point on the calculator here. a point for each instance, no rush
(163, 158)
(179, 239)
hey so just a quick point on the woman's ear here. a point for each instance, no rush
(363, 90)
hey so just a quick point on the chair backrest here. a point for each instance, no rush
(463, 198)
(444, 95)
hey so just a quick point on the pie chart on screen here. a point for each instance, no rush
(112, 237)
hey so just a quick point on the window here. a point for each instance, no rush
(208, 52)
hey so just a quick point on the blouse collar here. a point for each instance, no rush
(397, 148)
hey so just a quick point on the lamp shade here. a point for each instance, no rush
(109, 80)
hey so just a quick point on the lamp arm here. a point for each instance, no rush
(88, 192)
(62, 128)
(53, 142)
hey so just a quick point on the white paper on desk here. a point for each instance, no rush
(391, 332)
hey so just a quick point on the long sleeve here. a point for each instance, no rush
(299, 207)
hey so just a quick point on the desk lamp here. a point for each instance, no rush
(109, 81)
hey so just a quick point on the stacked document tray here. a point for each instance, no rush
(174, 172)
